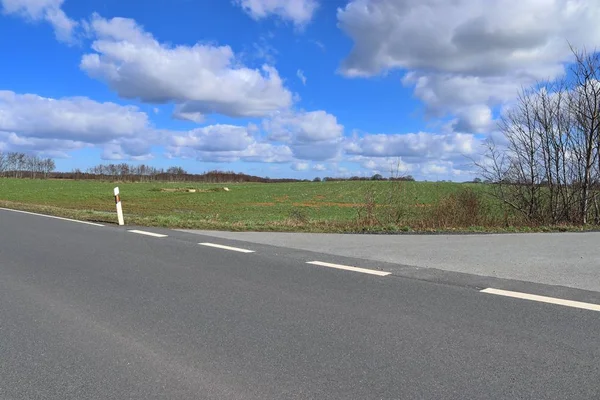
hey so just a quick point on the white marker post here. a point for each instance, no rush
(119, 207)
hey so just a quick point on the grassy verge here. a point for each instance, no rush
(373, 207)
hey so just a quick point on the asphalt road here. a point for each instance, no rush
(565, 259)
(89, 312)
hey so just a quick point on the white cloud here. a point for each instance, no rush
(201, 79)
(319, 167)
(386, 166)
(414, 145)
(291, 136)
(266, 152)
(226, 143)
(469, 98)
(465, 57)
(300, 166)
(124, 150)
(314, 135)
(305, 127)
(300, 12)
(469, 37)
(43, 10)
(263, 50)
(255, 152)
(421, 153)
(48, 147)
(76, 118)
(445, 170)
(43, 125)
(301, 76)
(193, 116)
(320, 45)
(37, 124)
(215, 138)
(434, 169)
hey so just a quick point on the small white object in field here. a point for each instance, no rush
(226, 189)
(191, 190)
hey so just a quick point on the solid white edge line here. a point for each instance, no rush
(158, 235)
(51, 216)
(347, 268)
(220, 246)
(543, 299)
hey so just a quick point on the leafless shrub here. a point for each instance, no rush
(462, 209)
(548, 171)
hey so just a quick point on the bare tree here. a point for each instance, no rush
(48, 166)
(549, 168)
(3, 163)
(32, 165)
(585, 108)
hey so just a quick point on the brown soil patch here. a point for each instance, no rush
(315, 204)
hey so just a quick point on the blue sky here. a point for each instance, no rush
(280, 88)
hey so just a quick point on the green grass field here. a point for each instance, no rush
(323, 206)
(310, 207)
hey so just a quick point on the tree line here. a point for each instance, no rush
(22, 165)
(146, 173)
(376, 177)
(548, 169)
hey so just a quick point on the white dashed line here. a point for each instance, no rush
(51, 216)
(220, 246)
(347, 268)
(158, 235)
(543, 299)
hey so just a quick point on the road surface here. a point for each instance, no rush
(567, 259)
(100, 312)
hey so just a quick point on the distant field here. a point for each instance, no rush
(317, 207)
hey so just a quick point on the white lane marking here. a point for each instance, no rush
(220, 246)
(51, 216)
(347, 268)
(158, 235)
(543, 299)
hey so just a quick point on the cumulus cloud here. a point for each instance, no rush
(75, 118)
(419, 146)
(201, 79)
(387, 166)
(215, 138)
(416, 153)
(300, 12)
(43, 10)
(47, 147)
(289, 136)
(39, 124)
(434, 169)
(255, 152)
(314, 135)
(137, 150)
(226, 143)
(466, 57)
